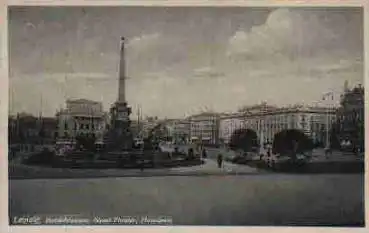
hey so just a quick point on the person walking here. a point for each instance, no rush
(327, 152)
(220, 160)
(204, 154)
(142, 162)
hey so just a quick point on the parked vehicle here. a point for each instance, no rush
(279, 160)
(64, 147)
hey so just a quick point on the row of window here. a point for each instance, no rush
(81, 126)
(280, 119)
(67, 134)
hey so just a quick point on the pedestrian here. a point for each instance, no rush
(326, 150)
(142, 163)
(204, 154)
(12, 152)
(220, 160)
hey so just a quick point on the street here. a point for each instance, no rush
(196, 195)
(257, 199)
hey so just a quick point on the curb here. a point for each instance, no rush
(132, 174)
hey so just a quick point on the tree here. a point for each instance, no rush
(334, 136)
(291, 142)
(244, 139)
(351, 117)
(86, 141)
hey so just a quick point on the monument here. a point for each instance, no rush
(120, 137)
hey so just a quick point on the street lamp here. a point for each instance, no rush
(327, 96)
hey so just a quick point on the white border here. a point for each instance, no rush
(195, 3)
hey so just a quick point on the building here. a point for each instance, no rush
(81, 117)
(350, 116)
(48, 130)
(268, 120)
(135, 128)
(179, 129)
(147, 125)
(25, 128)
(228, 124)
(204, 127)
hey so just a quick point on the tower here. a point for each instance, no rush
(122, 74)
(120, 135)
(345, 87)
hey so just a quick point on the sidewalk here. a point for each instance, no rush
(18, 171)
(336, 156)
(210, 166)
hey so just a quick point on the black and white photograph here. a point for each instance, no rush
(190, 116)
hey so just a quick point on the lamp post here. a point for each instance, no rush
(327, 96)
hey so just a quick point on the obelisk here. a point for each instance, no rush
(120, 136)
(122, 74)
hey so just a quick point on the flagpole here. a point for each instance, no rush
(138, 120)
(40, 119)
(327, 128)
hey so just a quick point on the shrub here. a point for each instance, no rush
(291, 142)
(244, 139)
(43, 158)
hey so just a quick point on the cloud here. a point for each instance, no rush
(285, 57)
(144, 42)
(26, 91)
(153, 52)
(286, 32)
(268, 38)
(207, 72)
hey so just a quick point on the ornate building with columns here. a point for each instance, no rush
(268, 120)
(81, 117)
(204, 127)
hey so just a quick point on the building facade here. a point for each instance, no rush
(25, 128)
(179, 130)
(82, 117)
(350, 117)
(48, 130)
(204, 127)
(146, 126)
(267, 121)
(228, 124)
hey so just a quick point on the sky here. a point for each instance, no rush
(181, 61)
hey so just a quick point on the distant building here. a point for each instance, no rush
(82, 117)
(23, 128)
(48, 130)
(204, 127)
(26, 128)
(135, 128)
(147, 125)
(268, 120)
(351, 116)
(228, 124)
(179, 129)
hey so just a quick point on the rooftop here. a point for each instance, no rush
(82, 101)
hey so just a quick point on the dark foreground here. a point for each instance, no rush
(265, 199)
